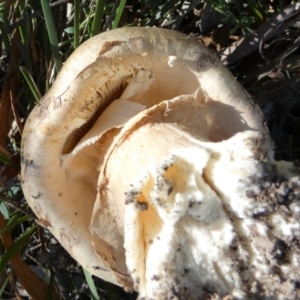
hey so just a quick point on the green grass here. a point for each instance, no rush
(37, 37)
(51, 30)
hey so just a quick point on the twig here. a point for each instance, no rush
(267, 68)
(274, 26)
(18, 207)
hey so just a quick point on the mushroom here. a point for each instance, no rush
(154, 169)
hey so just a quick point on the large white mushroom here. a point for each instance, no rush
(154, 169)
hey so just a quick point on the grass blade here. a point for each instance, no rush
(14, 216)
(98, 17)
(52, 34)
(5, 284)
(15, 247)
(91, 285)
(76, 23)
(51, 287)
(118, 14)
(4, 211)
(5, 159)
(15, 223)
(33, 87)
(23, 29)
(4, 24)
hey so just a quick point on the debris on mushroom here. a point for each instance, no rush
(154, 169)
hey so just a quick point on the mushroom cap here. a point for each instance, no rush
(116, 78)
